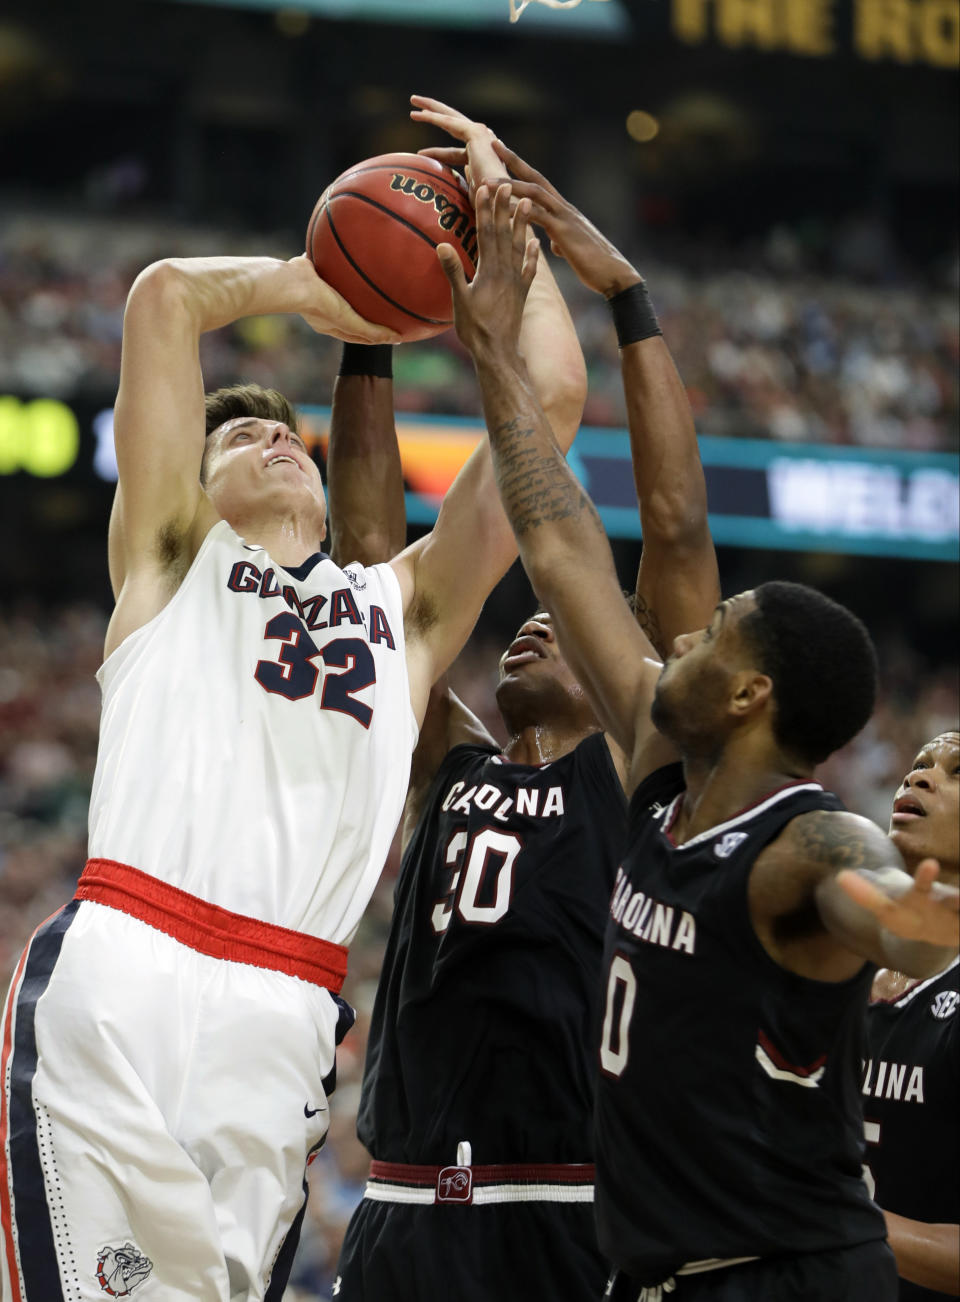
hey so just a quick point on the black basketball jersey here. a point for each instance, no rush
(485, 1021)
(911, 1083)
(729, 1122)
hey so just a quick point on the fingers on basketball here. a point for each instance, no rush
(452, 267)
(350, 325)
(354, 329)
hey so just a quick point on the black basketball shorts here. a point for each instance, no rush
(504, 1252)
(865, 1273)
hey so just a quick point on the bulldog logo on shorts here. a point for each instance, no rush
(121, 1270)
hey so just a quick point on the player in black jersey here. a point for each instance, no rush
(911, 1078)
(480, 1077)
(736, 962)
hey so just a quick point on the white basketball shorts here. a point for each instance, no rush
(160, 1101)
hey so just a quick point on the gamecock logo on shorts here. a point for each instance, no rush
(121, 1270)
(455, 1185)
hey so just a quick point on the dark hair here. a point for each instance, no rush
(822, 664)
(247, 400)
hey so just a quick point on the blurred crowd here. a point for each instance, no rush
(774, 344)
(49, 717)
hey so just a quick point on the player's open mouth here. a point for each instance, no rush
(523, 652)
(523, 658)
(282, 458)
(906, 809)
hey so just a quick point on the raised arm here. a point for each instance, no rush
(562, 544)
(364, 477)
(548, 340)
(447, 575)
(678, 584)
(159, 414)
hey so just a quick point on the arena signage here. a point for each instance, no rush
(904, 31)
(797, 497)
(40, 436)
(762, 493)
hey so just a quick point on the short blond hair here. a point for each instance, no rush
(247, 400)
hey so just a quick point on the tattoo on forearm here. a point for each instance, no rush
(536, 487)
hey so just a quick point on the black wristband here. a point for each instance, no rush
(367, 359)
(633, 315)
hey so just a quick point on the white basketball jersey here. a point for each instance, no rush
(256, 735)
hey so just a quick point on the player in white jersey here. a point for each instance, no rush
(169, 1036)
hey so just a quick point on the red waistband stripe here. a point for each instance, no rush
(530, 1172)
(208, 929)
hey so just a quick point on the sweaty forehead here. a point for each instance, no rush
(949, 740)
(946, 743)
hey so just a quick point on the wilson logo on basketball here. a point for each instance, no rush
(450, 217)
(373, 237)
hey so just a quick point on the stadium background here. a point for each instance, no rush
(784, 172)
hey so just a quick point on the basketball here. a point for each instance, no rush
(374, 233)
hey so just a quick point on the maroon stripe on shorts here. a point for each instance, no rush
(523, 1173)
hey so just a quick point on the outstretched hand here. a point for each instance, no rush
(328, 312)
(488, 310)
(600, 265)
(929, 911)
(476, 154)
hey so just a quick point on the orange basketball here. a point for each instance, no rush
(374, 233)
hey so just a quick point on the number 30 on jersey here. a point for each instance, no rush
(465, 887)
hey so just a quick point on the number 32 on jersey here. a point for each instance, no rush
(294, 675)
